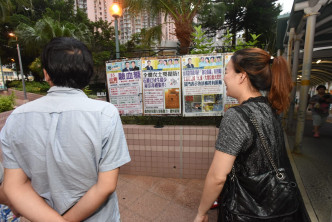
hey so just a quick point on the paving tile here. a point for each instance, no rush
(213, 215)
(149, 206)
(122, 208)
(179, 181)
(127, 177)
(190, 197)
(197, 184)
(121, 182)
(128, 193)
(167, 188)
(130, 216)
(178, 213)
(145, 182)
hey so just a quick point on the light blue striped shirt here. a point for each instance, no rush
(61, 141)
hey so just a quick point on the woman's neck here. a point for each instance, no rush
(246, 96)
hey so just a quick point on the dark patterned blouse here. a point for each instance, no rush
(238, 137)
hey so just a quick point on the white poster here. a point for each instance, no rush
(161, 86)
(125, 86)
(202, 84)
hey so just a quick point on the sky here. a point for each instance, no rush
(286, 5)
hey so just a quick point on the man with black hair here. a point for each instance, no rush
(133, 66)
(176, 63)
(149, 66)
(190, 65)
(320, 108)
(62, 152)
(126, 68)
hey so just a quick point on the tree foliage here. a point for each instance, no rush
(234, 17)
(182, 13)
(240, 44)
(212, 17)
(242, 16)
(8, 6)
(35, 37)
(39, 21)
(146, 39)
(202, 44)
(261, 18)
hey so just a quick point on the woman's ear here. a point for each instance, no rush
(243, 77)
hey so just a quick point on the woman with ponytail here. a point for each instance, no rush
(261, 84)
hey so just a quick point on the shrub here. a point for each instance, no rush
(30, 86)
(202, 44)
(7, 102)
(13, 83)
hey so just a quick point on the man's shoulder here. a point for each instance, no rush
(51, 104)
(35, 104)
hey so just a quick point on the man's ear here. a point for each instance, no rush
(47, 78)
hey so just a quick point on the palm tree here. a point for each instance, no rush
(34, 38)
(181, 11)
(6, 6)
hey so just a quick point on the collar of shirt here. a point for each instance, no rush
(57, 90)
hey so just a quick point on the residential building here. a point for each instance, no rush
(128, 24)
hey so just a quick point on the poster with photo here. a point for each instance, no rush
(124, 83)
(229, 101)
(202, 85)
(161, 86)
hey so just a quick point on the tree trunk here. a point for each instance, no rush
(247, 35)
(183, 31)
(234, 36)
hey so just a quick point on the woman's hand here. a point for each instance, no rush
(201, 218)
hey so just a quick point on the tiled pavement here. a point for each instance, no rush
(314, 169)
(144, 198)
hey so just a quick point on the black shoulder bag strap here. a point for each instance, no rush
(254, 122)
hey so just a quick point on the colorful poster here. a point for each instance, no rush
(229, 101)
(161, 86)
(202, 85)
(125, 86)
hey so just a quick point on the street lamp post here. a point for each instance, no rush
(21, 67)
(117, 50)
(116, 12)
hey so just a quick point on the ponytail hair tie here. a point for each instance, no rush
(271, 60)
